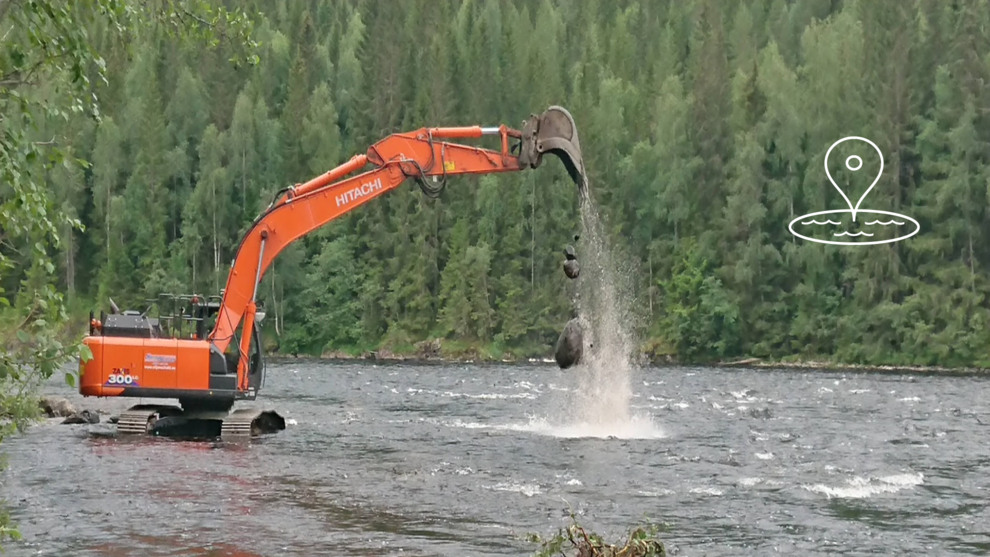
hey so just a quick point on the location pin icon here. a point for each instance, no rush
(854, 163)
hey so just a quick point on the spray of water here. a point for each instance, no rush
(599, 405)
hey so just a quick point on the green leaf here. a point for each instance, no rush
(23, 336)
(70, 379)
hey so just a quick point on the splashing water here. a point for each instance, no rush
(600, 405)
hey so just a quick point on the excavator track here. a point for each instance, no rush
(171, 421)
(138, 420)
(245, 423)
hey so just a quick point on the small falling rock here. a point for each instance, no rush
(572, 269)
(570, 345)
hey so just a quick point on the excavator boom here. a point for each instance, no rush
(420, 154)
(202, 371)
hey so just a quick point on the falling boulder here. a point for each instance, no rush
(571, 267)
(83, 417)
(570, 345)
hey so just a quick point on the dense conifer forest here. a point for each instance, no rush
(704, 126)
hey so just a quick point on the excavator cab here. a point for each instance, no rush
(227, 373)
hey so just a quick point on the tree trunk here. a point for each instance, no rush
(649, 288)
(532, 244)
(216, 241)
(70, 264)
(243, 180)
(972, 265)
(107, 217)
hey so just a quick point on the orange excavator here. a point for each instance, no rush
(174, 357)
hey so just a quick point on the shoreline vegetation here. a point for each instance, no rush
(438, 351)
(452, 351)
(653, 353)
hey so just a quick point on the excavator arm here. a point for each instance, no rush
(422, 154)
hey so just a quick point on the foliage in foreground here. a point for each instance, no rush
(51, 67)
(576, 541)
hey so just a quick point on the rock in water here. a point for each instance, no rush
(56, 407)
(83, 417)
(570, 345)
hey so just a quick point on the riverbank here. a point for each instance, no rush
(653, 353)
(441, 352)
(866, 368)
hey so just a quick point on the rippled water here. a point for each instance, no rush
(463, 460)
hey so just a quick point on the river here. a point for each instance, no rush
(469, 459)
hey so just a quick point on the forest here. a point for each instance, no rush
(704, 126)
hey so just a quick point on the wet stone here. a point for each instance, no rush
(572, 269)
(56, 407)
(83, 417)
(570, 345)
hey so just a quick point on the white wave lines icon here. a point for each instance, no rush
(813, 221)
(888, 223)
(854, 163)
(844, 233)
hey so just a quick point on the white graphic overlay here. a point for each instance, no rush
(857, 237)
(850, 167)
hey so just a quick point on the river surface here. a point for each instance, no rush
(469, 459)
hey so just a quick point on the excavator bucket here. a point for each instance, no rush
(554, 132)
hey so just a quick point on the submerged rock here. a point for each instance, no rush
(83, 417)
(761, 413)
(570, 345)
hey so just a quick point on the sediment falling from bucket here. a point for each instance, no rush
(601, 402)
